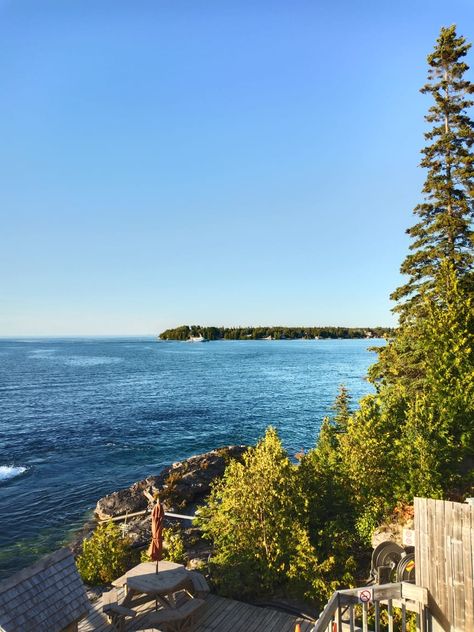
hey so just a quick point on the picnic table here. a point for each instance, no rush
(145, 568)
(143, 584)
(143, 581)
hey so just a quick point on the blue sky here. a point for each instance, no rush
(224, 163)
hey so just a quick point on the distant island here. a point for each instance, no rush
(187, 332)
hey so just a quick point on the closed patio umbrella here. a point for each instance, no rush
(156, 545)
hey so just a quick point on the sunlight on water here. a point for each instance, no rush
(81, 418)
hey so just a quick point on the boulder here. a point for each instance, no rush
(181, 485)
(129, 500)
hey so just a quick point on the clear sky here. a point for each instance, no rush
(224, 162)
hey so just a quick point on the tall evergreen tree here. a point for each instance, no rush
(444, 233)
(422, 414)
(444, 230)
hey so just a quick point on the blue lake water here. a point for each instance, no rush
(80, 418)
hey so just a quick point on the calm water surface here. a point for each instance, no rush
(80, 418)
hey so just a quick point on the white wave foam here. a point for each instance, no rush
(10, 471)
(90, 360)
(43, 354)
(42, 351)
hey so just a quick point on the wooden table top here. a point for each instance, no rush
(145, 568)
(162, 583)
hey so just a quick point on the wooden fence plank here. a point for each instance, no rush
(444, 557)
(459, 602)
(468, 563)
(448, 588)
(427, 548)
(416, 505)
(419, 541)
(440, 596)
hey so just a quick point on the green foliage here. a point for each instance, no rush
(444, 230)
(277, 333)
(348, 478)
(174, 544)
(104, 555)
(256, 517)
(425, 479)
(415, 437)
(329, 503)
(307, 578)
(145, 556)
(178, 333)
(277, 527)
(438, 423)
(425, 375)
(368, 451)
(341, 409)
(170, 494)
(250, 515)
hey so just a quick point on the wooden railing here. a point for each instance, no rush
(151, 502)
(384, 606)
(135, 514)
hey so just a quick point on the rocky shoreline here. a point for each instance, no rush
(182, 487)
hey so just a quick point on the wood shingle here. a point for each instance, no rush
(46, 597)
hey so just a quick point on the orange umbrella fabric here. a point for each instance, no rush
(156, 546)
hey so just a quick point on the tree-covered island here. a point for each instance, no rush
(184, 332)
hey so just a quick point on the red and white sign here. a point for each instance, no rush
(365, 595)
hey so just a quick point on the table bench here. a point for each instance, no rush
(200, 587)
(179, 619)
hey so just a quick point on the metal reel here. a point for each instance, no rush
(406, 569)
(387, 554)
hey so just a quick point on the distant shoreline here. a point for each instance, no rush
(375, 339)
(198, 333)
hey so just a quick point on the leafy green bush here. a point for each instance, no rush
(256, 517)
(173, 540)
(104, 555)
(173, 545)
(145, 556)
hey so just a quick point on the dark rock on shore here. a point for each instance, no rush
(181, 485)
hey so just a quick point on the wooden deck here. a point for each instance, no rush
(221, 615)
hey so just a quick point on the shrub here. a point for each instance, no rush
(257, 520)
(145, 556)
(173, 545)
(104, 555)
(173, 540)
(170, 495)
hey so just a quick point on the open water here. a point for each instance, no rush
(80, 418)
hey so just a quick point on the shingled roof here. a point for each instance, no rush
(46, 597)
